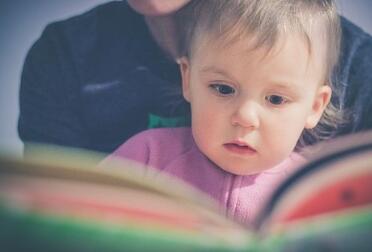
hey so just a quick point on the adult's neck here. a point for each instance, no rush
(164, 31)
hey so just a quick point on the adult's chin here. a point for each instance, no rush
(156, 7)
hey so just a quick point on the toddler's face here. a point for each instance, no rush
(249, 107)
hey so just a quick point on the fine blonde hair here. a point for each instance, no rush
(229, 20)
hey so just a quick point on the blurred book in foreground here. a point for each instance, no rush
(61, 201)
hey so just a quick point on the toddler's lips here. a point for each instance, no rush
(239, 148)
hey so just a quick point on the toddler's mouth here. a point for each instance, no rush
(240, 148)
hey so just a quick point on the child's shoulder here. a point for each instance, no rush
(163, 134)
(157, 147)
(162, 138)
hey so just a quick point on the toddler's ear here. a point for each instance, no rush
(185, 74)
(321, 101)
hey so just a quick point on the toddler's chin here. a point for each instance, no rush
(245, 171)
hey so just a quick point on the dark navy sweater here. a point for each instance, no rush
(94, 80)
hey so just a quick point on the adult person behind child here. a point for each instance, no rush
(94, 80)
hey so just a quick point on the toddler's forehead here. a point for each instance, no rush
(245, 50)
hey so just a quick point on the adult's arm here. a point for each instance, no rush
(49, 94)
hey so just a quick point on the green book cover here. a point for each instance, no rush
(59, 200)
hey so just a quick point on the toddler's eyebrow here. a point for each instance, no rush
(283, 85)
(216, 70)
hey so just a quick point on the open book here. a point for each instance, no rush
(60, 201)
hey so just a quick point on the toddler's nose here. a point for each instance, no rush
(246, 115)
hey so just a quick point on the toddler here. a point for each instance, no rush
(257, 77)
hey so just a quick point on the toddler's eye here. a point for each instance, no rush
(223, 89)
(276, 99)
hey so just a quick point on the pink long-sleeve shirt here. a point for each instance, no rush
(173, 151)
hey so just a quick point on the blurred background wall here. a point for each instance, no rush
(21, 23)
